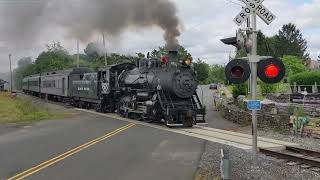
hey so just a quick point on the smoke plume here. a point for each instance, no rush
(84, 18)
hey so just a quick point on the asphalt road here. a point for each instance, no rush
(213, 117)
(96, 147)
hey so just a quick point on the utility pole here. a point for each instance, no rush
(105, 50)
(11, 86)
(78, 59)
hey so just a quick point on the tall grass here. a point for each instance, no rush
(31, 112)
(15, 110)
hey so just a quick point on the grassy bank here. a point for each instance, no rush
(16, 110)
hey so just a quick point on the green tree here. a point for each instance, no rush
(216, 74)
(183, 54)
(55, 58)
(290, 41)
(202, 70)
(294, 65)
(140, 55)
(25, 61)
(157, 53)
(266, 45)
(25, 68)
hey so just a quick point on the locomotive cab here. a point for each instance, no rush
(108, 77)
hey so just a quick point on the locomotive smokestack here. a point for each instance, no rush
(173, 55)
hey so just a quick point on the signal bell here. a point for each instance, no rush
(271, 70)
(238, 71)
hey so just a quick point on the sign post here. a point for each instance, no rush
(252, 9)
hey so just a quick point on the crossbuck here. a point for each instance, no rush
(254, 5)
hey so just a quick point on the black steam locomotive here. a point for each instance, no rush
(153, 89)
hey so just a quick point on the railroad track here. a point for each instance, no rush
(296, 156)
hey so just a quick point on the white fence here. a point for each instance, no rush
(309, 88)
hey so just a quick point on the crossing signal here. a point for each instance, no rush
(237, 71)
(271, 70)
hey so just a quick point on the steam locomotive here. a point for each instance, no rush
(156, 90)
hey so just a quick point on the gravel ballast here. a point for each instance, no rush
(267, 168)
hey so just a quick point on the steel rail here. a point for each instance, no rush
(308, 160)
(306, 152)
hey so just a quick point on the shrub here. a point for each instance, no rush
(268, 88)
(293, 65)
(239, 89)
(306, 78)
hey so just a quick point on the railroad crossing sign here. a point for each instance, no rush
(254, 6)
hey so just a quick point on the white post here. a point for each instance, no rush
(254, 83)
(295, 87)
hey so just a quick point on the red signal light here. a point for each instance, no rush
(272, 71)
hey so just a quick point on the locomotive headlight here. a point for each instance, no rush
(188, 62)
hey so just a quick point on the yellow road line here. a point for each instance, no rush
(67, 154)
